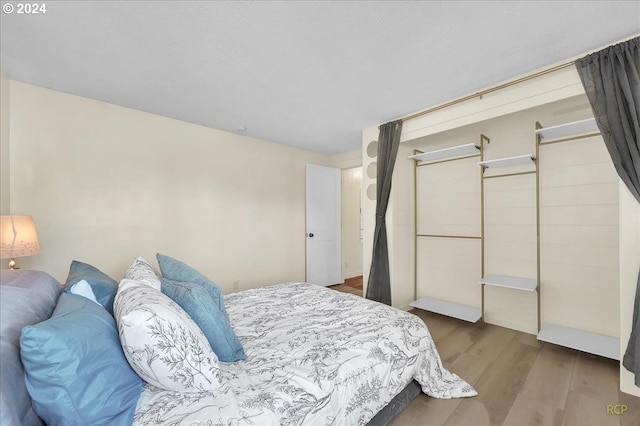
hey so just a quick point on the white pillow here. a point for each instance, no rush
(161, 342)
(141, 270)
(83, 288)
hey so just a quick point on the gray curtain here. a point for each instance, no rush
(611, 79)
(379, 284)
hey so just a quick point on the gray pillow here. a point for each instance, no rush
(26, 298)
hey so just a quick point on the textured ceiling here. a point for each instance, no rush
(306, 74)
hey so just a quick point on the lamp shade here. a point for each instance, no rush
(18, 237)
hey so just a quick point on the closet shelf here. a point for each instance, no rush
(568, 129)
(517, 283)
(508, 161)
(470, 148)
(597, 344)
(455, 310)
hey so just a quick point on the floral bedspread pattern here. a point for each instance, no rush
(314, 356)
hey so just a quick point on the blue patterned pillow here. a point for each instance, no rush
(104, 287)
(75, 370)
(175, 270)
(196, 302)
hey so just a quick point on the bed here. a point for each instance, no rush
(313, 356)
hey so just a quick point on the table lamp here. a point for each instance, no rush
(18, 238)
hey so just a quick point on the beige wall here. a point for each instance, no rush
(351, 242)
(4, 143)
(347, 160)
(106, 183)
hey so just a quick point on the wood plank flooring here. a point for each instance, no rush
(520, 381)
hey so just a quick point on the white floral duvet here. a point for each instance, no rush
(314, 356)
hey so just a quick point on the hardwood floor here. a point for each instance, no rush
(520, 381)
(355, 282)
(350, 285)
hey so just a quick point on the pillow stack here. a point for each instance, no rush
(87, 364)
(175, 337)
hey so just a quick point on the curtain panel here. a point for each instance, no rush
(611, 79)
(379, 284)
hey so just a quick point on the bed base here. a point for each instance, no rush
(396, 405)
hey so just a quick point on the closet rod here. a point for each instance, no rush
(490, 90)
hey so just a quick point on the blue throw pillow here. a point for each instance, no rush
(196, 302)
(104, 287)
(175, 270)
(75, 369)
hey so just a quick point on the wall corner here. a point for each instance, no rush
(5, 144)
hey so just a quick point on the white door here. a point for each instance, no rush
(324, 243)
